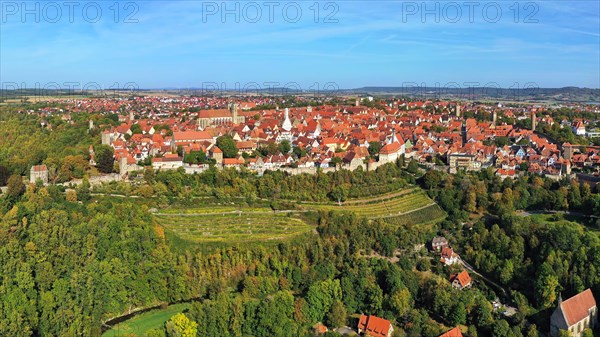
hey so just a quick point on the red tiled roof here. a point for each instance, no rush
(577, 307)
(374, 326)
(452, 333)
(191, 135)
(39, 168)
(390, 148)
(463, 278)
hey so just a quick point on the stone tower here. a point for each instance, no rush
(233, 109)
(457, 109)
(494, 117)
(533, 121)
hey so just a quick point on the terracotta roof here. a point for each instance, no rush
(216, 113)
(453, 333)
(374, 326)
(390, 148)
(447, 252)
(187, 136)
(577, 307)
(39, 168)
(463, 278)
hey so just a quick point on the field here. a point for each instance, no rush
(228, 227)
(225, 224)
(569, 219)
(138, 325)
(411, 204)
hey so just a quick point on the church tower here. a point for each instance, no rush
(287, 124)
(233, 110)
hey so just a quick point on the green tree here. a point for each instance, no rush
(320, 297)
(15, 186)
(501, 328)
(181, 326)
(339, 193)
(3, 175)
(285, 146)
(401, 302)
(228, 146)
(299, 151)
(458, 315)
(83, 190)
(532, 331)
(337, 315)
(588, 333)
(564, 333)
(413, 166)
(136, 129)
(546, 286)
(149, 174)
(104, 158)
(374, 148)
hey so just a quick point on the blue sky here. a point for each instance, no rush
(182, 44)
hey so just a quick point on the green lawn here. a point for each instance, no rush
(138, 325)
(562, 219)
(233, 228)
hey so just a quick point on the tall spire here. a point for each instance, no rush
(287, 124)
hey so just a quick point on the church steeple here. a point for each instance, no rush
(287, 124)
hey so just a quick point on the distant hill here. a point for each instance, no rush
(532, 93)
(566, 94)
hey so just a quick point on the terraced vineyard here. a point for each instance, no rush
(397, 204)
(233, 227)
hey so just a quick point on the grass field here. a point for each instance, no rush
(138, 325)
(397, 204)
(566, 219)
(254, 226)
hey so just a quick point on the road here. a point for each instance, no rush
(509, 310)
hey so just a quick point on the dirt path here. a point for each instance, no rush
(240, 213)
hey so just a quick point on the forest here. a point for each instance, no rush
(72, 259)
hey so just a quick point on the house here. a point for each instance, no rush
(574, 314)
(390, 152)
(170, 161)
(453, 333)
(461, 280)
(374, 326)
(320, 328)
(448, 256)
(438, 243)
(461, 161)
(38, 172)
